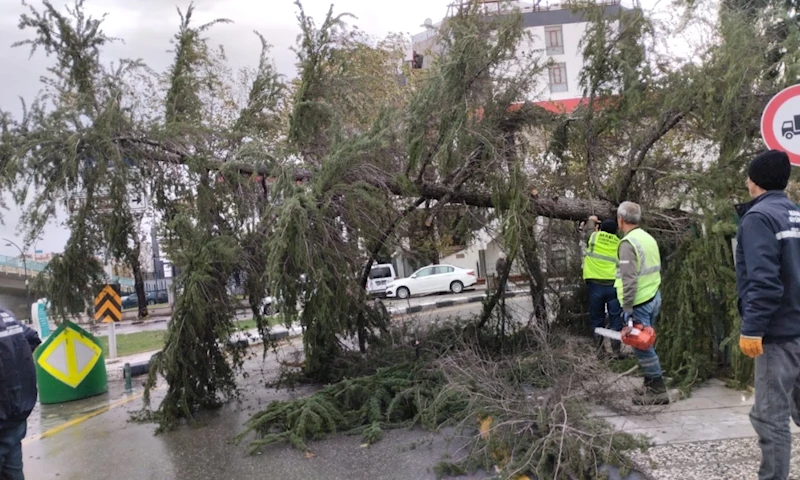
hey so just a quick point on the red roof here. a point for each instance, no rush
(561, 106)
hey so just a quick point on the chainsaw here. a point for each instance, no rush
(634, 334)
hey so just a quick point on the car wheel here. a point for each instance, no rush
(403, 293)
(456, 287)
(151, 302)
(788, 135)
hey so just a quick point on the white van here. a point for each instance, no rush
(380, 276)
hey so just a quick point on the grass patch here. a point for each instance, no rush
(139, 342)
(157, 305)
(133, 343)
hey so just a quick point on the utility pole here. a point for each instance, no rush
(9, 243)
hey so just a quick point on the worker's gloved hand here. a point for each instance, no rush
(751, 346)
(627, 317)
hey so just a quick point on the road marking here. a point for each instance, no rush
(75, 421)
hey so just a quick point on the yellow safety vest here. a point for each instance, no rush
(600, 262)
(648, 264)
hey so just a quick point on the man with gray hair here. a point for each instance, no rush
(638, 286)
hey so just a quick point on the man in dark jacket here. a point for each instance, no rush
(768, 281)
(17, 391)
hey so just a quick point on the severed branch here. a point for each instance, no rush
(637, 157)
(562, 208)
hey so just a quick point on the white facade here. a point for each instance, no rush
(559, 45)
(555, 32)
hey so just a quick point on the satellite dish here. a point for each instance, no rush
(428, 22)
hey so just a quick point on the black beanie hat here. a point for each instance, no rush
(770, 170)
(609, 226)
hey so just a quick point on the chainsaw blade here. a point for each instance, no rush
(606, 332)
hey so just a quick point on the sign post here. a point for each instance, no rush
(108, 309)
(780, 123)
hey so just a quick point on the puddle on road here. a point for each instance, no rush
(45, 417)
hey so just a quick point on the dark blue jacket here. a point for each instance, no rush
(768, 268)
(17, 372)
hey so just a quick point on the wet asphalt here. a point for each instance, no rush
(109, 446)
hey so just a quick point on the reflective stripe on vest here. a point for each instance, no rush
(648, 266)
(600, 262)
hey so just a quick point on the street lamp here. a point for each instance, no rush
(25, 267)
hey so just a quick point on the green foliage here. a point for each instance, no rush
(391, 397)
(699, 314)
(540, 423)
(72, 279)
(194, 361)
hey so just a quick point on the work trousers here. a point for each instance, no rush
(11, 452)
(777, 399)
(646, 315)
(600, 297)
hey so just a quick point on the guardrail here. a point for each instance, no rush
(34, 268)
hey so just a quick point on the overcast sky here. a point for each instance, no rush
(147, 27)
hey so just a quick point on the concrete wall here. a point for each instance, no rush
(16, 303)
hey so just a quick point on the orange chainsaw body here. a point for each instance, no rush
(638, 336)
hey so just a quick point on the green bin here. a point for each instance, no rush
(70, 365)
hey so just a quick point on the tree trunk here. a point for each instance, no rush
(562, 208)
(530, 255)
(489, 306)
(138, 278)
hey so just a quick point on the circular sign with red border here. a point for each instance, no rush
(780, 123)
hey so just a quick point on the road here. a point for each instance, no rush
(160, 322)
(94, 447)
(90, 448)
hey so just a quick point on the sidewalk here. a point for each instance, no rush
(707, 436)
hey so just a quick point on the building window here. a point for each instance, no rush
(558, 78)
(554, 39)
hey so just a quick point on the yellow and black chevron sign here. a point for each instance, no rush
(108, 305)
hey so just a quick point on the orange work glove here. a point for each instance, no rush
(750, 346)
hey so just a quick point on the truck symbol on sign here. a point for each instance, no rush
(791, 128)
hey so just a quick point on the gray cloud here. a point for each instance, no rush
(147, 26)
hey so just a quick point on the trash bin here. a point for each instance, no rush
(70, 365)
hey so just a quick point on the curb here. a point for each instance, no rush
(446, 303)
(238, 340)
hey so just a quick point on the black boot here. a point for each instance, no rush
(655, 393)
(616, 347)
(599, 350)
(641, 390)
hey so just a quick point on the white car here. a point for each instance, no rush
(432, 279)
(379, 277)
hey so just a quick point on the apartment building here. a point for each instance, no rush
(556, 30)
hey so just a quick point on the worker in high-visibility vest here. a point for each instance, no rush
(599, 272)
(638, 290)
